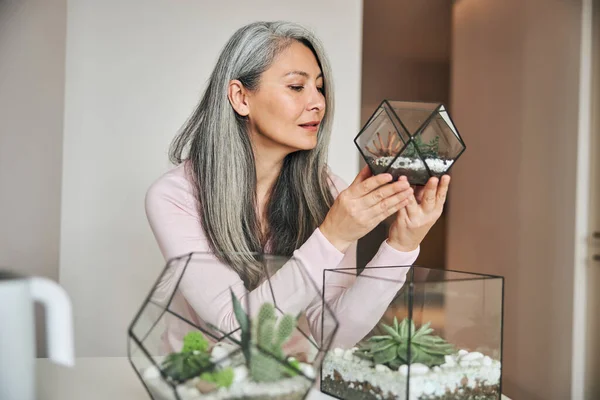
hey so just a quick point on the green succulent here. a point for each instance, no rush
(191, 361)
(221, 378)
(427, 150)
(263, 345)
(186, 365)
(195, 341)
(392, 349)
(268, 363)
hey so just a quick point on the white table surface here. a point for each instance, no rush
(101, 378)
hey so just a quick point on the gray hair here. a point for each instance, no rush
(218, 147)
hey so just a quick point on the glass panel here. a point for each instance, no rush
(413, 114)
(412, 139)
(439, 143)
(380, 140)
(149, 374)
(426, 334)
(270, 349)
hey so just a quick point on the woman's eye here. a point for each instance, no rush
(321, 90)
(296, 88)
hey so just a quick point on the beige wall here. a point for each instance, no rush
(135, 70)
(406, 56)
(515, 76)
(32, 60)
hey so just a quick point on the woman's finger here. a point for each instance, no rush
(442, 191)
(419, 190)
(383, 192)
(428, 201)
(381, 210)
(412, 208)
(403, 212)
(394, 209)
(366, 186)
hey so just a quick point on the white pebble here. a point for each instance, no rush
(487, 361)
(187, 392)
(240, 373)
(472, 356)
(450, 360)
(419, 369)
(338, 352)
(219, 353)
(366, 363)
(348, 355)
(447, 366)
(462, 352)
(151, 373)
(307, 370)
(436, 369)
(428, 388)
(381, 368)
(464, 363)
(403, 370)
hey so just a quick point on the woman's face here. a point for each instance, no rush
(285, 112)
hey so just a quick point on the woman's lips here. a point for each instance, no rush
(312, 127)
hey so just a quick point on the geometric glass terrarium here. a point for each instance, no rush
(266, 343)
(434, 334)
(414, 139)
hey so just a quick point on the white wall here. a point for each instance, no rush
(515, 97)
(134, 72)
(32, 60)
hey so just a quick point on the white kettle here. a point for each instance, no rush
(17, 331)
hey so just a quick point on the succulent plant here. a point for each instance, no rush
(268, 360)
(192, 360)
(427, 150)
(221, 378)
(392, 349)
(186, 365)
(194, 341)
(262, 347)
(393, 145)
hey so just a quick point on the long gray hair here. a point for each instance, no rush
(218, 147)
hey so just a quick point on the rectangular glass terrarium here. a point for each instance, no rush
(439, 337)
(414, 139)
(265, 350)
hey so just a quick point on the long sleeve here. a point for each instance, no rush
(173, 217)
(359, 302)
(175, 223)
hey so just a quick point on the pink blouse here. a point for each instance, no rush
(203, 296)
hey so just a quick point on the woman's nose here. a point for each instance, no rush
(317, 100)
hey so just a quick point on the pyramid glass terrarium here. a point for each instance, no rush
(266, 343)
(425, 334)
(414, 139)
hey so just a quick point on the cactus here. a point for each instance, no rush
(262, 345)
(268, 363)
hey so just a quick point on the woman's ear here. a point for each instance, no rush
(238, 97)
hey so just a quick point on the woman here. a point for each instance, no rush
(252, 178)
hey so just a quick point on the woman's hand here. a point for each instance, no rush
(362, 206)
(416, 219)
